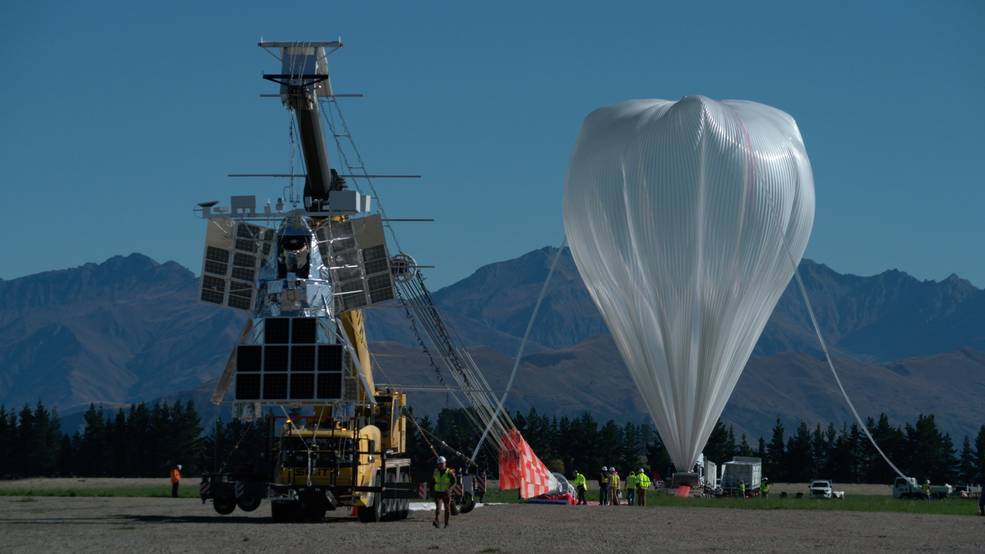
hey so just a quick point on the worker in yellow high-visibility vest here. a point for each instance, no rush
(442, 480)
(614, 484)
(581, 487)
(631, 488)
(642, 483)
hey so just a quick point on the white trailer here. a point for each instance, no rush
(742, 469)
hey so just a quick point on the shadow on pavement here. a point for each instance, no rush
(241, 520)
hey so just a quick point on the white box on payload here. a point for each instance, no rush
(711, 474)
(742, 469)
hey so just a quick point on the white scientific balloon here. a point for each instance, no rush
(686, 221)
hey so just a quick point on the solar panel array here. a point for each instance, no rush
(356, 251)
(234, 253)
(290, 365)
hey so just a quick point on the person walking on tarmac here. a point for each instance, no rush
(581, 487)
(631, 488)
(604, 486)
(742, 489)
(764, 490)
(614, 486)
(642, 483)
(442, 480)
(175, 480)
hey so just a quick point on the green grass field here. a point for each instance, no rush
(856, 503)
(134, 491)
(851, 503)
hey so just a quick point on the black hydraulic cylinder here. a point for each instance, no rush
(319, 180)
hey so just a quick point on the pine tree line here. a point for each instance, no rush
(145, 441)
(842, 454)
(142, 441)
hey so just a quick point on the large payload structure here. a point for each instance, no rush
(686, 221)
(304, 273)
(304, 281)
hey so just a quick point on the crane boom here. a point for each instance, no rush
(303, 79)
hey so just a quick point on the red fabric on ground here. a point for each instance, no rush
(520, 468)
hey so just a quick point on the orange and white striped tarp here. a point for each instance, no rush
(520, 468)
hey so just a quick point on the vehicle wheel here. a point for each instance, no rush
(224, 506)
(404, 509)
(312, 513)
(371, 514)
(248, 503)
(467, 505)
(374, 513)
(285, 512)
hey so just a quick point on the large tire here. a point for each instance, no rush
(467, 504)
(248, 503)
(374, 513)
(404, 503)
(224, 506)
(285, 512)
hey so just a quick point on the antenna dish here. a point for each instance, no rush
(403, 267)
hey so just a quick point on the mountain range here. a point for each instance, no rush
(131, 329)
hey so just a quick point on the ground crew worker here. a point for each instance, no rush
(926, 488)
(631, 488)
(581, 487)
(604, 486)
(765, 489)
(614, 486)
(442, 480)
(175, 480)
(981, 501)
(742, 489)
(642, 483)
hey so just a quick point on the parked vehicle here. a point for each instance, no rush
(742, 469)
(821, 488)
(909, 488)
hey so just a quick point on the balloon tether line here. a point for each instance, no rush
(523, 344)
(827, 356)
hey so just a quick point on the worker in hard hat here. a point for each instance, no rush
(631, 488)
(926, 488)
(615, 484)
(175, 480)
(442, 480)
(581, 487)
(642, 483)
(604, 486)
(764, 490)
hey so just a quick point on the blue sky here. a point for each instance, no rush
(116, 118)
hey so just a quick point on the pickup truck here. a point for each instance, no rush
(823, 488)
(909, 488)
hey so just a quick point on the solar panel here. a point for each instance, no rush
(302, 386)
(275, 358)
(355, 249)
(227, 240)
(276, 330)
(329, 386)
(303, 330)
(303, 358)
(274, 386)
(330, 358)
(291, 366)
(249, 358)
(247, 386)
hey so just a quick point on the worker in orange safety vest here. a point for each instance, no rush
(175, 480)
